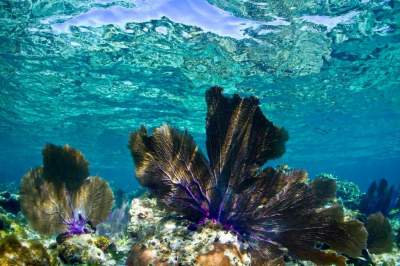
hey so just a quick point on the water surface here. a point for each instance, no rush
(89, 72)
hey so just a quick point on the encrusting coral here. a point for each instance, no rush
(60, 197)
(274, 211)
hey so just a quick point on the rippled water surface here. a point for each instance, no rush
(89, 72)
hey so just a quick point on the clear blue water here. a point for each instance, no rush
(89, 72)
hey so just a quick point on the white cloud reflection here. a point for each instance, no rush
(189, 12)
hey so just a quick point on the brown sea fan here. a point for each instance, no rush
(57, 198)
(274, 210)
(94, 197)
(42, 203)
(64, 166)
(380, 234)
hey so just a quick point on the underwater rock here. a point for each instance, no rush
(85, 249)
(14, 252)
(11, 224)
(222, 254)
(104, 243)
(60, 197)
(387, 259)
(274, 211)
(9, 202)
(142, 256)
(145, 215)
(167, 240)
(380, 235)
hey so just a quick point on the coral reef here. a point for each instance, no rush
(145, 216)
(387, 259)
(380, 197)
(163, 239)
(85, 249)
(60, 198)
(275, 212)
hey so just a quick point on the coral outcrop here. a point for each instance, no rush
(164, 239)
(59, 197)
(85, 249)
(275, 212)
(14, 252)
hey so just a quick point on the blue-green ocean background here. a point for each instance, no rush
(87, 73)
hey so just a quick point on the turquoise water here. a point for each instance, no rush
(89, 72)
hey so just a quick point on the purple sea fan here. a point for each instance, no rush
(274, 210)
(59, 197)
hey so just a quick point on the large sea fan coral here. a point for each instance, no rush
(274, 210)
(60, 197)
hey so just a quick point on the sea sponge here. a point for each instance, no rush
(56, 198)
(273, 210)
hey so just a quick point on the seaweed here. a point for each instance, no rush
(60, 197)
(275, 210)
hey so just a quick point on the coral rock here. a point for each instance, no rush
(145, 215)
(81, 249)
(166, 240)
(221, 255)
(141, 256)
(14, 252)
